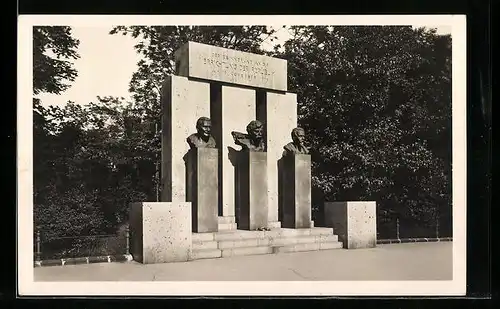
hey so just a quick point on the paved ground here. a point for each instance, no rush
(413, 261)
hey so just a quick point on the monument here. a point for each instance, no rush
(251, 178)
(219, 180)
(295, 168)
(202, 178)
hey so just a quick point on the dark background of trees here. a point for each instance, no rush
(375, 102)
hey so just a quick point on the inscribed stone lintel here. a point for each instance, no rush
(202, 188)
(214, 63)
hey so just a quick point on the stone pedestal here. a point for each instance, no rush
(202, 188)
(160, 232)
(296, 191)
(252, 190)
(354, 222)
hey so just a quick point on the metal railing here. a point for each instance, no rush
(80, 246)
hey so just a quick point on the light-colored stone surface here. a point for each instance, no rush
(202, 188)
(204, 245)
(412, 261)
(161, 232)
(252, 190)
(183, 102)
(224, 220)
(238, 109)
(246, 251)
(354, 222)
(281, 119)
(296, 171)
(231, 66)
(227, 226)
(206, 254)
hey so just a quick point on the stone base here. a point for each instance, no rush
(354, 222)
(252, 190)
(160, 232)
(296, 191)
(202, 188)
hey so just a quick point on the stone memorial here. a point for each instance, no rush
(251, 179)
(202, 178)
(206, 182)
(295, 171)
(231, 88)
(354, 222)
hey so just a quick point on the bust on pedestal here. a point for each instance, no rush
(202, 178)
(295, 172)
(251, 180)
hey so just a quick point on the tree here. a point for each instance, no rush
(376, 103)
(53, 49)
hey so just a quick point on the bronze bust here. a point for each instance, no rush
(202, 138)
(297, 145)
(253, 140)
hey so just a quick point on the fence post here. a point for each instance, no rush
(38, 253)
(397, 228)
(127, 239)
(437, 227)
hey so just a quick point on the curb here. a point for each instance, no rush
(85, 260)
(409, 240)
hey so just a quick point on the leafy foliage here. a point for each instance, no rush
(53, 49)
(376, 103)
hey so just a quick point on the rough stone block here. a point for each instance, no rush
(160, 232)
(354, 222)
(202, 188)
(252, 190)
(296, 190)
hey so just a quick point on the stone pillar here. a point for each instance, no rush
(280, 118)
(296, 177)
(237, 110)
(202, 188)
(160, 232)
(354, 222)
(252, 190)
(183, 102)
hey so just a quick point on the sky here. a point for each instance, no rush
(107, 62)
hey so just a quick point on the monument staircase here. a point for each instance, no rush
(232, 242)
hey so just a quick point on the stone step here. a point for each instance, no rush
(274, 225)
(224, 220)
(285, 241)
(205, 254)
(227, 226)
(247, 251)
(273, 233)
(308, 247)
(198, 237)
(330, 245)
(241, 234)
(315, 231)
(205, 245)
(241, 243)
